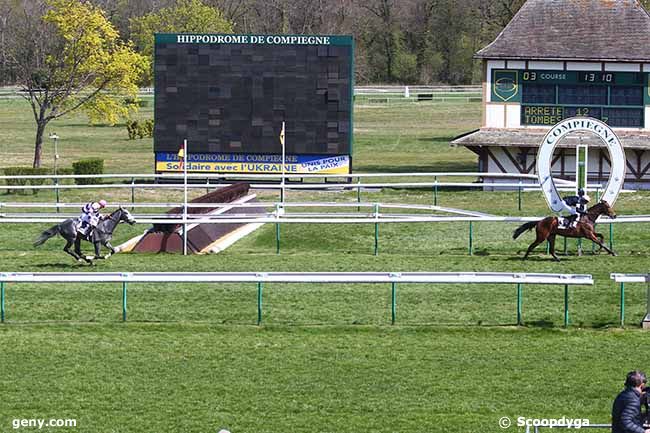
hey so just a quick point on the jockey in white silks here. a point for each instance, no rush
(575, 206)
(90, 216)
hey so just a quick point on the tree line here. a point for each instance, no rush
(397, 41)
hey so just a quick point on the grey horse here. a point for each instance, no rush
(100, 236)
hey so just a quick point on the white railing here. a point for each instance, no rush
(260, 278)
(297, 277)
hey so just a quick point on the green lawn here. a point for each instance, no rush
(326, 359)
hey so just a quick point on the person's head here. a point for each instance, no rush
(581, 192)
(635, 379)
(102, 203)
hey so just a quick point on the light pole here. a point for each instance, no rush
(56, 160)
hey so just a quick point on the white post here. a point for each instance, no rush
(185, 161)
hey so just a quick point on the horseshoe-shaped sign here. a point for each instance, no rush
(559, 131)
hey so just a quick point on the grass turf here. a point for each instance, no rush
(326, 359)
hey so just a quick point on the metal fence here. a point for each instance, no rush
(260, 278)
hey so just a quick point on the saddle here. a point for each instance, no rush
(83, 229)
(566, 223)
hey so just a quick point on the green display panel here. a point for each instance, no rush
(547, 97)
(505, 86)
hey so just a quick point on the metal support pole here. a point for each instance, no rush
(565, 248)
(132, 193)
(622, 305)
(277, 229)
(376, 229)
(597, 194)
(393, 300)
(471, 238)
(435, 190)
(207, 186)
(519, 322)
(2, 302)
(611, 236)
(358, 194)
(519, 197)
(566, 305)
(124, 309)
(259, 302)
(56, 191)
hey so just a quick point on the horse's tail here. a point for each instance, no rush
(524, 227)
(52, 231)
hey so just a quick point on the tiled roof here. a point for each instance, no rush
(597, 30)
(533, 138)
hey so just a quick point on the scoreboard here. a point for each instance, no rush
(547, 97)
(228, 95)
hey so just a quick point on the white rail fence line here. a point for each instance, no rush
(301, 277)
(633, 278)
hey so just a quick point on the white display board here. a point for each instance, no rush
(580, 124)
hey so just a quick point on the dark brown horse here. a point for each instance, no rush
(548, 228)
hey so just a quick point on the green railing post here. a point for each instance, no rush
(376, 229)
(259, 302)
(611, 236)
(580, 252)
(566, 305)
(277, 230)
(2, 301)
(622, 305)
(565, 248)
(132, 193)
(124, 309)
(471, 238)
(358, 193)
(519, 322)
(393, 302)
(435, 190)
(56, 190)
(597, 194)
(519, 197)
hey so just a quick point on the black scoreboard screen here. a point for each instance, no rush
(547, 97)
(229, 95)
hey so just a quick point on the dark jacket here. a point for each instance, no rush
(574, 200)
(626, 412)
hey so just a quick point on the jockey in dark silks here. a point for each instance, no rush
(576, 206)
(90, 216)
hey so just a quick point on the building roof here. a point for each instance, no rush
(589, 30)
(533, 138)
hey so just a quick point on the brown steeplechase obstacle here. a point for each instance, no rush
(204, 237)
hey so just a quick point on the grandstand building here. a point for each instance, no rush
(558, 59)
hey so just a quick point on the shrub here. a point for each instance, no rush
(132, 128)
(139, 130)
(25, 171)
(88, 166)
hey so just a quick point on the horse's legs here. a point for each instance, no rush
(551, 244)
(77, 249)
(598, 239)
(66, 248)
(601, 238)
(111, 250)
(540, 238)
(108, 245)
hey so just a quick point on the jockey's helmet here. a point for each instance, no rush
(102, 203)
